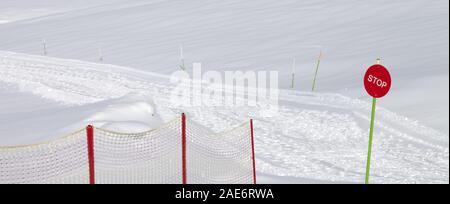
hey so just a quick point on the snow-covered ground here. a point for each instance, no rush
(316, 137)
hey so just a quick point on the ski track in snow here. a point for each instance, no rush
(316, 136)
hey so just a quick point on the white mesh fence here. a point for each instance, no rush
(219, 158)
(149, 157)
(61, 161)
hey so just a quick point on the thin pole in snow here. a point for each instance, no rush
(182, 58)
(100, 55)
(317, 70)
(293, 73)
(44, 46)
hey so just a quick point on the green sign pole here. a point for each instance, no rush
(369, 153)
(377, 82)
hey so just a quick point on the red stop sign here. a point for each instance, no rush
(377, 81)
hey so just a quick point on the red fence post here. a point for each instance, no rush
(183, 147)
(90, 146)
(253, 151)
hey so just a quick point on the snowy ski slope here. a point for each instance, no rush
(317, 137)
(410, 36)
(314, 138)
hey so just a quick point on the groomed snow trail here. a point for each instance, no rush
(315, 137)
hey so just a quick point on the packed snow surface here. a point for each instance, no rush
(317, 137)
(320, 137)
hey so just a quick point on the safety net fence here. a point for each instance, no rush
(179, 151)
